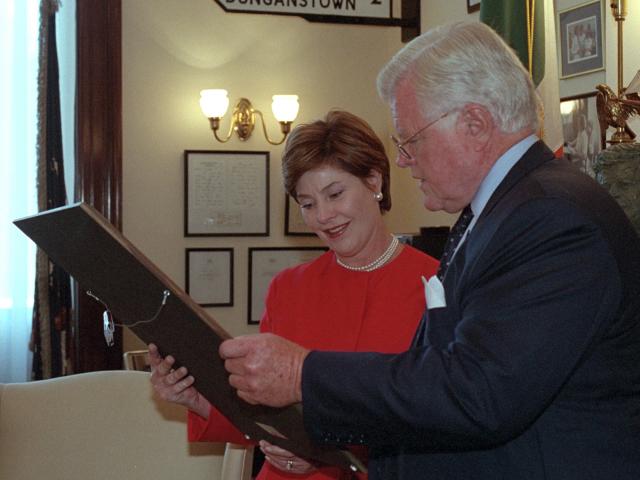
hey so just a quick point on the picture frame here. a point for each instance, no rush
(473, 6)
(583, 138)
(226, 193)
(209, 276)
(293, 222)
(581, 39)
(264, 264)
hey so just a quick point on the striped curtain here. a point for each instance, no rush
(51, 333)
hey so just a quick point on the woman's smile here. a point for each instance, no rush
(336, 232)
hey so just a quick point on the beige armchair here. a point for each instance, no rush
(104, 425)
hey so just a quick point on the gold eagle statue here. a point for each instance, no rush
(614, 111)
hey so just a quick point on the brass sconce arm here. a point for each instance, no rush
(243, 119)
(215, 126)
(285, 128)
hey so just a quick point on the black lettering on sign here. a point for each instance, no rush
(376, 2)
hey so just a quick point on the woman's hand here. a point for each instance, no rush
(285, 460)
(175, 385)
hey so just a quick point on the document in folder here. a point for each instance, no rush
(116, 273)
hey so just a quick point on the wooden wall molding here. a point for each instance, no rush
(98, 173)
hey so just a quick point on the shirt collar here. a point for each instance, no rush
(496, 174)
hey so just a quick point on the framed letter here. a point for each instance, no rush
(226, 193)
(209, 276)
(264, 264)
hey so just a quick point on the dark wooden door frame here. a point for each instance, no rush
(98, 172)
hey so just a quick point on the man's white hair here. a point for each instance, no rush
(461, 63)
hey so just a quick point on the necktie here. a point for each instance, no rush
(455, 235)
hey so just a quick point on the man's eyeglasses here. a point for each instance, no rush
(412, 139)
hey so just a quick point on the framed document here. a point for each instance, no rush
(293, 222)
(264, 264)
(226, 193)
(138, 295)
(209, 276)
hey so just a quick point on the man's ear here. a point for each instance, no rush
(477, 125)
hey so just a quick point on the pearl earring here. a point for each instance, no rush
(378, 196)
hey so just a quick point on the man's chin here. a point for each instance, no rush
(428, 203)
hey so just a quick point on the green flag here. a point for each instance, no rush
(521, 24)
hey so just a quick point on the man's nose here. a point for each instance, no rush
(404, 162)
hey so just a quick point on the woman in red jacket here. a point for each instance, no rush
(364, 294)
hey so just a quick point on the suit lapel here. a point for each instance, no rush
(438, 325)
(496, 210)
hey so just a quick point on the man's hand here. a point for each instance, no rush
(265, 369)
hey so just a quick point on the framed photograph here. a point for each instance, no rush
(264, 264)
(473, 6)
(226, 193)
(583, 139)
(581, 39)
(293, 222)
(209, 276)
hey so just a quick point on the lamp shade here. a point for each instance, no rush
(214, 103)
(285, 107)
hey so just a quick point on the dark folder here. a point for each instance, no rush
(102, 260)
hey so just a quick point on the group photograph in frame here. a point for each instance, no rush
(583, 139)
(581, 39)
(209, 276)
(264, 264)
(293, 222)
(226, 193)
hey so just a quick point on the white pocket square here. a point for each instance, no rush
(434, 293)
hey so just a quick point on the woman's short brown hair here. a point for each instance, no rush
(341, 140)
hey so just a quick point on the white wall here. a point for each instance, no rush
(174, 48)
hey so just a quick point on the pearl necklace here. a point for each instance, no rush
(378, 262)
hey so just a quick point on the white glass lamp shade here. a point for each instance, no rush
(214, 103)
(285, 107)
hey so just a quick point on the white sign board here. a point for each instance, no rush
(342, 8)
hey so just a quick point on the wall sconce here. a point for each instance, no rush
(214, 104)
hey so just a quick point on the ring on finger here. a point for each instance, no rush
(289, 464)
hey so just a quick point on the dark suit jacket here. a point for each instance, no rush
(532, 371)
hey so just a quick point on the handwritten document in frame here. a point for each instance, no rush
(226, 193)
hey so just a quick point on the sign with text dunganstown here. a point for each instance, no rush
(358, 9)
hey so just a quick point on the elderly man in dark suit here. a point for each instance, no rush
(526, 362)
